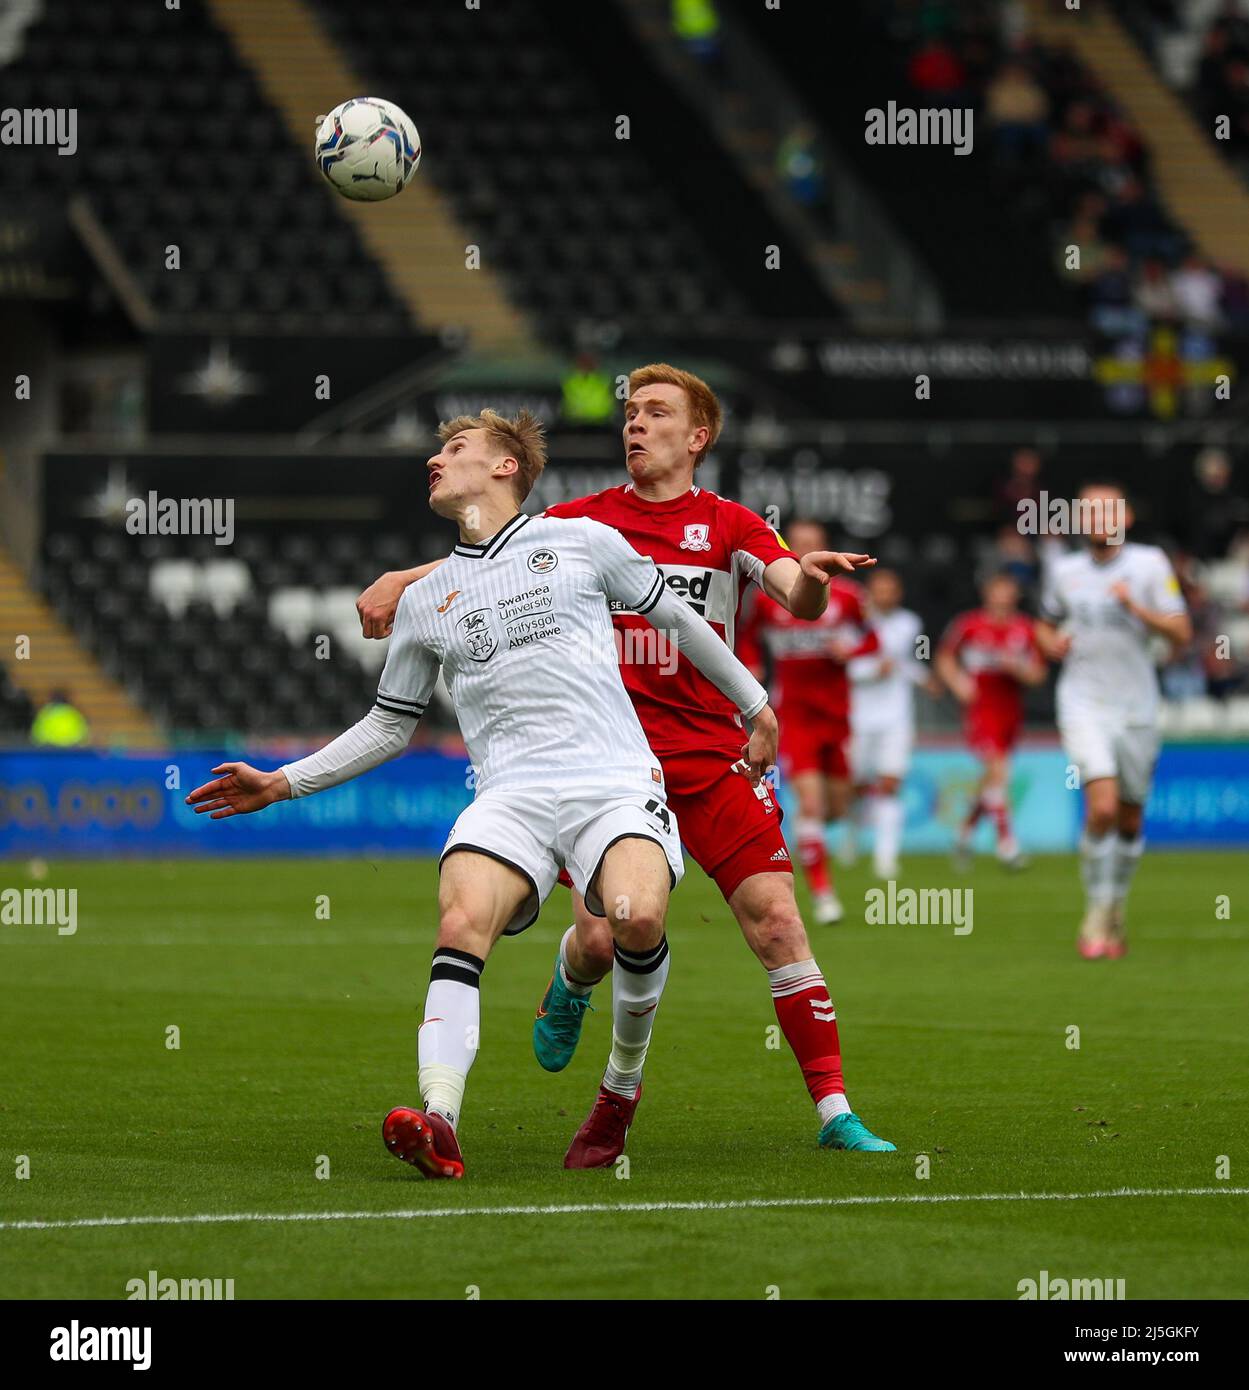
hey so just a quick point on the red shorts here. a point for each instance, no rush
(814, 745)
(730, 829)
(991, 732)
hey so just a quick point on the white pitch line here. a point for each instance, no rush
(605, 1208)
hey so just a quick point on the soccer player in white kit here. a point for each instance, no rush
(1100, 607)
(518, 620)
(882, 715)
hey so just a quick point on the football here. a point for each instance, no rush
(367, 148)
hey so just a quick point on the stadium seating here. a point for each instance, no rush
(173, 140)
(587, 228)
(16, 710)
(1070, 172)
(225, 646)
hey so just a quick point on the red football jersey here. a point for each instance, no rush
(809, 656)
(707, 549)
(983, 645)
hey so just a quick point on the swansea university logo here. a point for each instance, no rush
(479, 640)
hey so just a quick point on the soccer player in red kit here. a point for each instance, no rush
(986, 658)
(707, 549)
(810, 686)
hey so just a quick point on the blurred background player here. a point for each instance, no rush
(882, 719)
(1111, 599)
(808, 671)
(985, 658)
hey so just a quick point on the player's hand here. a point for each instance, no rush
(376, 606)
(1124, 595)
(1054, 644)
(839, 651)
(760, 753)
(240, 790)
(821, 565)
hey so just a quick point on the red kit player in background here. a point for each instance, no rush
(811, 687)
(708, 548)
(986, 658)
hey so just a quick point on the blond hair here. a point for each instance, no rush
(704, 408)
(522, 439)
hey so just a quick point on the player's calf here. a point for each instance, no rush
(765, 908)
(557, 1024)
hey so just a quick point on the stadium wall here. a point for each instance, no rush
(97, 805)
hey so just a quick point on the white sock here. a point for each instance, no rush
(1097, 867)
(446, 1045)
(571, 983)
(836, 1104)
(1127, 856)
(889, 817)
(637, 983)
(811, 828)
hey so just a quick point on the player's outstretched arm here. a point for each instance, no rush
(379, 736)
(376, 605)
(407, 681)
(801, 586)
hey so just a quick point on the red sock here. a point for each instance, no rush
(809, 1022)
(973, 815)
(813, 856)
(998, 808)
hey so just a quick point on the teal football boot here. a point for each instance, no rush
(849, 1132)
(557, 1024)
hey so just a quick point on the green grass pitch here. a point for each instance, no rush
(297, 1034)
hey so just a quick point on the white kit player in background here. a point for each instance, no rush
(1101, 610)
(882, 718)
(564, 775)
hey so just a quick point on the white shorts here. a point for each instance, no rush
(1102, 748)
(540, 830)
(881, 752)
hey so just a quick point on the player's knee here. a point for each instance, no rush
(777, 935)
(462, 930)
(638, 926)
(1101, 806)
(1130, 818)
(594, 944)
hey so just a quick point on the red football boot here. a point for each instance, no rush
(601, 1139)
(426, 1141)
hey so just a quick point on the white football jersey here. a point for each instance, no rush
(880, 702)
(1109, 671)
(521, 628)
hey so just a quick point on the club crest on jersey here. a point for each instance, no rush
(542, 561)
(479, 640)
(696, 536)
